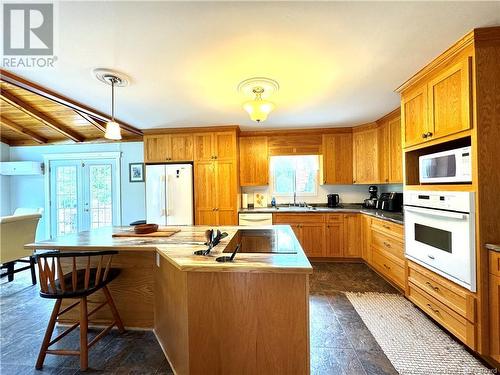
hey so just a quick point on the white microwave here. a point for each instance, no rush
(447, 166)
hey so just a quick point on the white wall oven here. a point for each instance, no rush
(440, 233)
(450, 166)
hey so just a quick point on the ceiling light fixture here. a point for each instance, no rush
(114, 79)
(261, 88)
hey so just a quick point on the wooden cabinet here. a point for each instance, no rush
(215, 146)
(168, 147)
(365, 154)
(337, 159)
(395, 151)
(334, 236)
(384, 157)
(352, 235)
(309, 230)
(366, 231)
(226, 194)
(254, 161)
(439, 106)
(494, 305)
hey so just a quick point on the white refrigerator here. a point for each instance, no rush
(169, 194)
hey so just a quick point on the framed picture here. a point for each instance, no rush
(136, 172)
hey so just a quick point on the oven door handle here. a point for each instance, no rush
(431, 212)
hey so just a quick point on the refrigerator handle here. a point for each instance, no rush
(162, 195)
(169, 195)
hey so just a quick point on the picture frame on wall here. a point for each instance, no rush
(136, 172)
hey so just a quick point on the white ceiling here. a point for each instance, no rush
(337, 63)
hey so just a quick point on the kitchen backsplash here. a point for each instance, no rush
(347, 193)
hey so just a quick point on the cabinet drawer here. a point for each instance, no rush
(450, 294)
(456, 324)
(389, 268)
(388, 244)
(298, 218)
(388, 228)
(495, 263)
(334, 218)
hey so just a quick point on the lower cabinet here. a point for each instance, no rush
(352, 236)
(334, 236)
(309, 230)
(494, 302)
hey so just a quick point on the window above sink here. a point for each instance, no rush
(296, 174)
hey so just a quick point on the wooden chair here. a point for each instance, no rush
(77, 284)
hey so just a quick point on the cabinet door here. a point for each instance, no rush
(365, 152)
(366, 231)
(414, 116)
(205, 193)
(225, 187)
(334, 240)
(352, 235)
(494, 304)
(225, 145)
(203, 147)
(254, 161)
(156, 148)
(337, 159)
(182, 147)
(449, 100)
(313, 239)
(383, 139)
(396, 152)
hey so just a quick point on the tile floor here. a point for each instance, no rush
(340, 342)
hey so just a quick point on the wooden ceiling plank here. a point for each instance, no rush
(21, 130)
(23, 106)
(5, 140)
(92, 121)
(14, 80)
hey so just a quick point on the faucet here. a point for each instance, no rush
(294, 198)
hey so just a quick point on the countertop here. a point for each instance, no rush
(395, 217)
(493, 247)
(178, 249)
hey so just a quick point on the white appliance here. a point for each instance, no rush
(254, 219)
(169, 194)
(446, 166)
(440, 233)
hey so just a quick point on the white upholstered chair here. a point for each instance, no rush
(15, 232)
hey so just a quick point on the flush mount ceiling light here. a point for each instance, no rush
(260, 89)
(114, 79)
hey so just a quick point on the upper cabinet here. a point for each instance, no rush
(215, 146)
(168, 147)
(390, 158)
(254, 161)
(337, 158)
(384, 156)
(365, 154)
(439, 106)
(395, 151)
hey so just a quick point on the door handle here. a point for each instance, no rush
(432, 286)
(435, 212)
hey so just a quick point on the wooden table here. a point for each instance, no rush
(250, 316)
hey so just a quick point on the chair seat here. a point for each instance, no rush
(80, 290)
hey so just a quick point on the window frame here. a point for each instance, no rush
(302, 194)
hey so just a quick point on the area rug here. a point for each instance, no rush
(411, 341)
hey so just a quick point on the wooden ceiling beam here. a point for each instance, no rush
(36, 114)
(5, 140)
(14, 80)
(21, 130)
(92, 121)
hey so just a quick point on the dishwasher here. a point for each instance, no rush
(254, 219)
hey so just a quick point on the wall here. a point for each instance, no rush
(348, 193)
(5, 183)
(28, 191)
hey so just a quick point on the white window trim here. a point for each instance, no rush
(305, 195)
(47, 158)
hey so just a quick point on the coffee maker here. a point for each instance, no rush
(372, 201)
(333, 200)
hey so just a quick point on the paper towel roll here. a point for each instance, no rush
(244, 200)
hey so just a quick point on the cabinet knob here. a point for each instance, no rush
(215, 157)
(429, 134)
(424, 135)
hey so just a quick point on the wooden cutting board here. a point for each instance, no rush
(162, 232)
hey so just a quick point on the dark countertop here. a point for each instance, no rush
(493, 247)
(395, 217)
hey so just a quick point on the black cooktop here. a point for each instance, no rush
(274, 241)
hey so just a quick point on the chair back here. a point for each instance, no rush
(54, 281)
(15, 232)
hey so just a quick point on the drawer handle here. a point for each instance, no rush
(386, 226)
(387, 244)
(435, 311)
(432, 286)
(386, 266)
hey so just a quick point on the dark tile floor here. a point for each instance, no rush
(340, 342)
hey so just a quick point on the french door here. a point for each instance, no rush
(82, 195)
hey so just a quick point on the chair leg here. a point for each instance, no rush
(10, 271)
(48, 335)
(32, 268)
(114, 310)
(84, 325)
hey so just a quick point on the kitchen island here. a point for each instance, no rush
(249, 316)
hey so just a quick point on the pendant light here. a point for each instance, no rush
(259, 88)
(114, 79)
